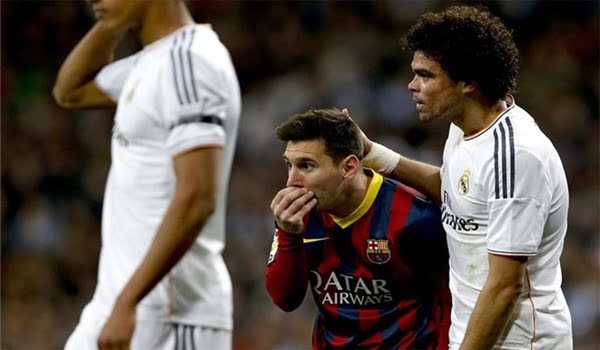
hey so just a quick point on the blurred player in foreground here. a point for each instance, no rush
(502, 185)
(373, 252)
(162, 282)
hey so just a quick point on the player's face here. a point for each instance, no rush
(436, 95)
(311, 168)
(120, 13)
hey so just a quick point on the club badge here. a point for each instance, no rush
(463, 182)
(378, 251)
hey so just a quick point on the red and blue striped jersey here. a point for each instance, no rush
(379, 276)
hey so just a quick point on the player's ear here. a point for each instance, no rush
(351, 166)
(469, 87)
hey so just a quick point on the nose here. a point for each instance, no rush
(412, 85)
(294, 178)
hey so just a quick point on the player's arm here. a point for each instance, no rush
(496, 301)
(423, 177)
(286, 276)
(75, 87)
(192, 203)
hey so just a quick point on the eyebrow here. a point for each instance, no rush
(422, 71)
(299, 160)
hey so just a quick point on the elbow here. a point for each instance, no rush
(61, 97)
(282, 297)
(201, 204)
(285, 304)
(286, 307)
(510, 293)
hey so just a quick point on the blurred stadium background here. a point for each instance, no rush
(289, 56)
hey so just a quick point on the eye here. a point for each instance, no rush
(306, 166)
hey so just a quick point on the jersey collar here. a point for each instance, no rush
(510, 101)
(372, 191)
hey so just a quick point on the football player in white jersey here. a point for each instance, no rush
(502, 186)
(162, 281)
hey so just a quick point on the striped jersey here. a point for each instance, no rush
(378, 276)
(504, 191)
(177, 94)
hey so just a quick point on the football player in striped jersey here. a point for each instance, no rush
(372, 251)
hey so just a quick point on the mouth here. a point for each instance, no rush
(419, 103)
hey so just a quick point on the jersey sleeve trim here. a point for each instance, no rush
(506, 253)
(210, 119)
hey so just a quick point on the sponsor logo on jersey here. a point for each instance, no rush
(342, 289)
(463, 182)
(378, 251)
(456, 222)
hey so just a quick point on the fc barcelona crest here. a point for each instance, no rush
(378, 251)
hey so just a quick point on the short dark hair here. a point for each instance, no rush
(471, 45)
(340, 134)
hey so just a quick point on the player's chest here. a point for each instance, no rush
(137, 118)
(464, 198)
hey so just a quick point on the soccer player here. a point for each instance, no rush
(162, 282)
(373, 252)
(502, 186)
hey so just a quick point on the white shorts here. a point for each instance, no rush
(155, 335)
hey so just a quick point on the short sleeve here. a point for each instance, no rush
(112, 77)
(192, 99)
(518, 204)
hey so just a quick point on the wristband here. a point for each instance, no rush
(381, 159)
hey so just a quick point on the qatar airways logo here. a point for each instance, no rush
(341, 289)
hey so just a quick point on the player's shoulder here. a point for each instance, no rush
(522, 132)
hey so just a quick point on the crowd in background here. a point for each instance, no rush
(290, 56)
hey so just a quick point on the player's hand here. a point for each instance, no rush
(289, 207)
(365, 140)
(118, 330)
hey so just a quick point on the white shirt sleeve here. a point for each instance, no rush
(517, 215)
(112, 77)
(191, 102)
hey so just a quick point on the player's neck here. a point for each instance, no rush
(162, 19)
(352, 198)
(478, 116)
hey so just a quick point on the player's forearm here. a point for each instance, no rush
(492, 311)
(423, 177)
(180, 227)
(287, 277)
(94, 51)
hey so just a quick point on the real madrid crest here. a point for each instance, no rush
(378, 251)
(463, 182)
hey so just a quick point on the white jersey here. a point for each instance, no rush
(504, 191)
(177, 94)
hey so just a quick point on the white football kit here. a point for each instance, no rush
(178, 93)
(504, 191)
